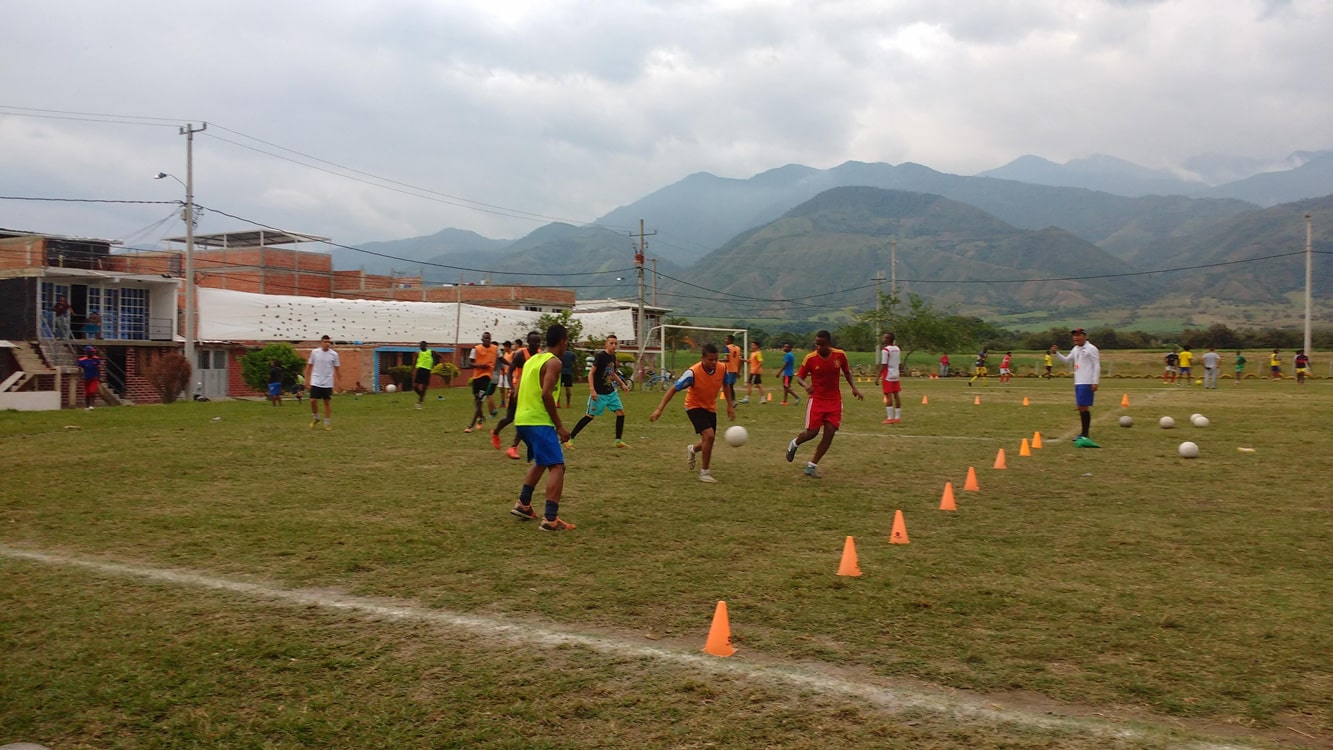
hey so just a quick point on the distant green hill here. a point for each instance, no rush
(826, 252)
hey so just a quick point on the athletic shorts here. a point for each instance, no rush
(892, 386)
(274, 390)
(702, 419)
(566, 380)
(1083, 395)
(422, 376)
(1005, 371)
(1276, 369)
(91, 387)
(320, 392)
(822, 411)
(543, 444)
(756, 379)
(729, 378)
(601, 403)
(1170, 369)
(786, 381)
(1185, 371)
(481, 387)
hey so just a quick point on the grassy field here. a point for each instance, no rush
(218, 575)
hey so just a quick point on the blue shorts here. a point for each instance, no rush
(543, 444)
(274, 390)
(729, 378)
(600, 403)
(1083, 395)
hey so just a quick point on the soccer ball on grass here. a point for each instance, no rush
(391, 388)
(736, 436)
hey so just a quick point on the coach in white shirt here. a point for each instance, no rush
(1087, 375)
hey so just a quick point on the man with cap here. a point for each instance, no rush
(1087, 375)
(91, 366)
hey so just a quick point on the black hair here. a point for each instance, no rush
(555, 334)
(709, 348)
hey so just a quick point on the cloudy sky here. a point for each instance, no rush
(382, 120)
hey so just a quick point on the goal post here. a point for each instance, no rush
(742, 333)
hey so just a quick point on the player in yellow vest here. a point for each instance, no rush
(539, 426)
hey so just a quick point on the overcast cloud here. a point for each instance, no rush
(569, 109)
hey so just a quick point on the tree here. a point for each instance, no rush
(564, 318)
(675, 339)
(255, 364)
(169, 375)
(919, 326)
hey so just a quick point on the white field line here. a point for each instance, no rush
(526, 635)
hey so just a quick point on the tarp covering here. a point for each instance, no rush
(226, 315)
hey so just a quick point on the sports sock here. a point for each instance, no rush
(552, 509)
(888, 412)
(587, 420)
(620, 426)
(525, 494)
(898, 413)
(1086, 418)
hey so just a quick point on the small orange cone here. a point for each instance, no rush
(770, 398)
(946, 502)
(1124, 401)
(999, 460)
(899, 533)
(1025, 401)
(1023, 449)
(848, 567)
(719, 635)
(1036, 440)
(925, 400)
(971, 484)
(977, 400)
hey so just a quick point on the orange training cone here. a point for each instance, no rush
(899, 533)
(719, 635)
(1124, 401)
(946, 502)
(925, 400)
(848, 567)
(976, 400)
(1036, 440)
(971, 484)
(1025, 401)
(770, 398)
(1023, 449)
(999, 460)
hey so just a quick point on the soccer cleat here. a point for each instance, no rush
(887, 421)
(314, 421)
(494, 412)
(523, 511)
(512, 452)
(745, 400)
(689, 455)
(622, 444)
(328, 428)
(556, 525)
(467, 429)
(707, 478)
(1085, 442)
(813, 472)
(495, 440)
(418, 406)
(791, 451)
(784, 403)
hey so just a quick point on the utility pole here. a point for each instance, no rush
(654, 262)
(1309, 271)
(893, 266)
(879, 304)
(641, 334)
(188, 130)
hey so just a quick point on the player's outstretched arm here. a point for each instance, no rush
(666, 399)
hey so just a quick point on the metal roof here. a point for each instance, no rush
(250, 238)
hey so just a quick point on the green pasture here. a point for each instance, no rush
(1083, 598)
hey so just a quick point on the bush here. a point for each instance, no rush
(255, 363)
(401, 376)
(446, 370)
(170, 376)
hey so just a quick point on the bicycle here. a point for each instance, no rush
(663, 380)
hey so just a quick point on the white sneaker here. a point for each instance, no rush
(418, 405)
(91, 408)
(707, 478)
(689, 452)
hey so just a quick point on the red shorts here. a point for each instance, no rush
(819, 412)
(90, 387)
(892, 386)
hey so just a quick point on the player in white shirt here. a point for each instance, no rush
(1087, 375)
(890, 364)
(320, 371)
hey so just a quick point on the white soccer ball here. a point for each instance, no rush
(1195, 417)
(391, 388)
(1166, 423)
(736, 436)
(1200, 421)
(1126, 421)
(1188, 450)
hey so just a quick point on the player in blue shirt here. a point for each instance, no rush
(787, 372)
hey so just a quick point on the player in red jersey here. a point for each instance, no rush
(819, 375)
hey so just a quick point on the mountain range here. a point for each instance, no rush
(1029, 236)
